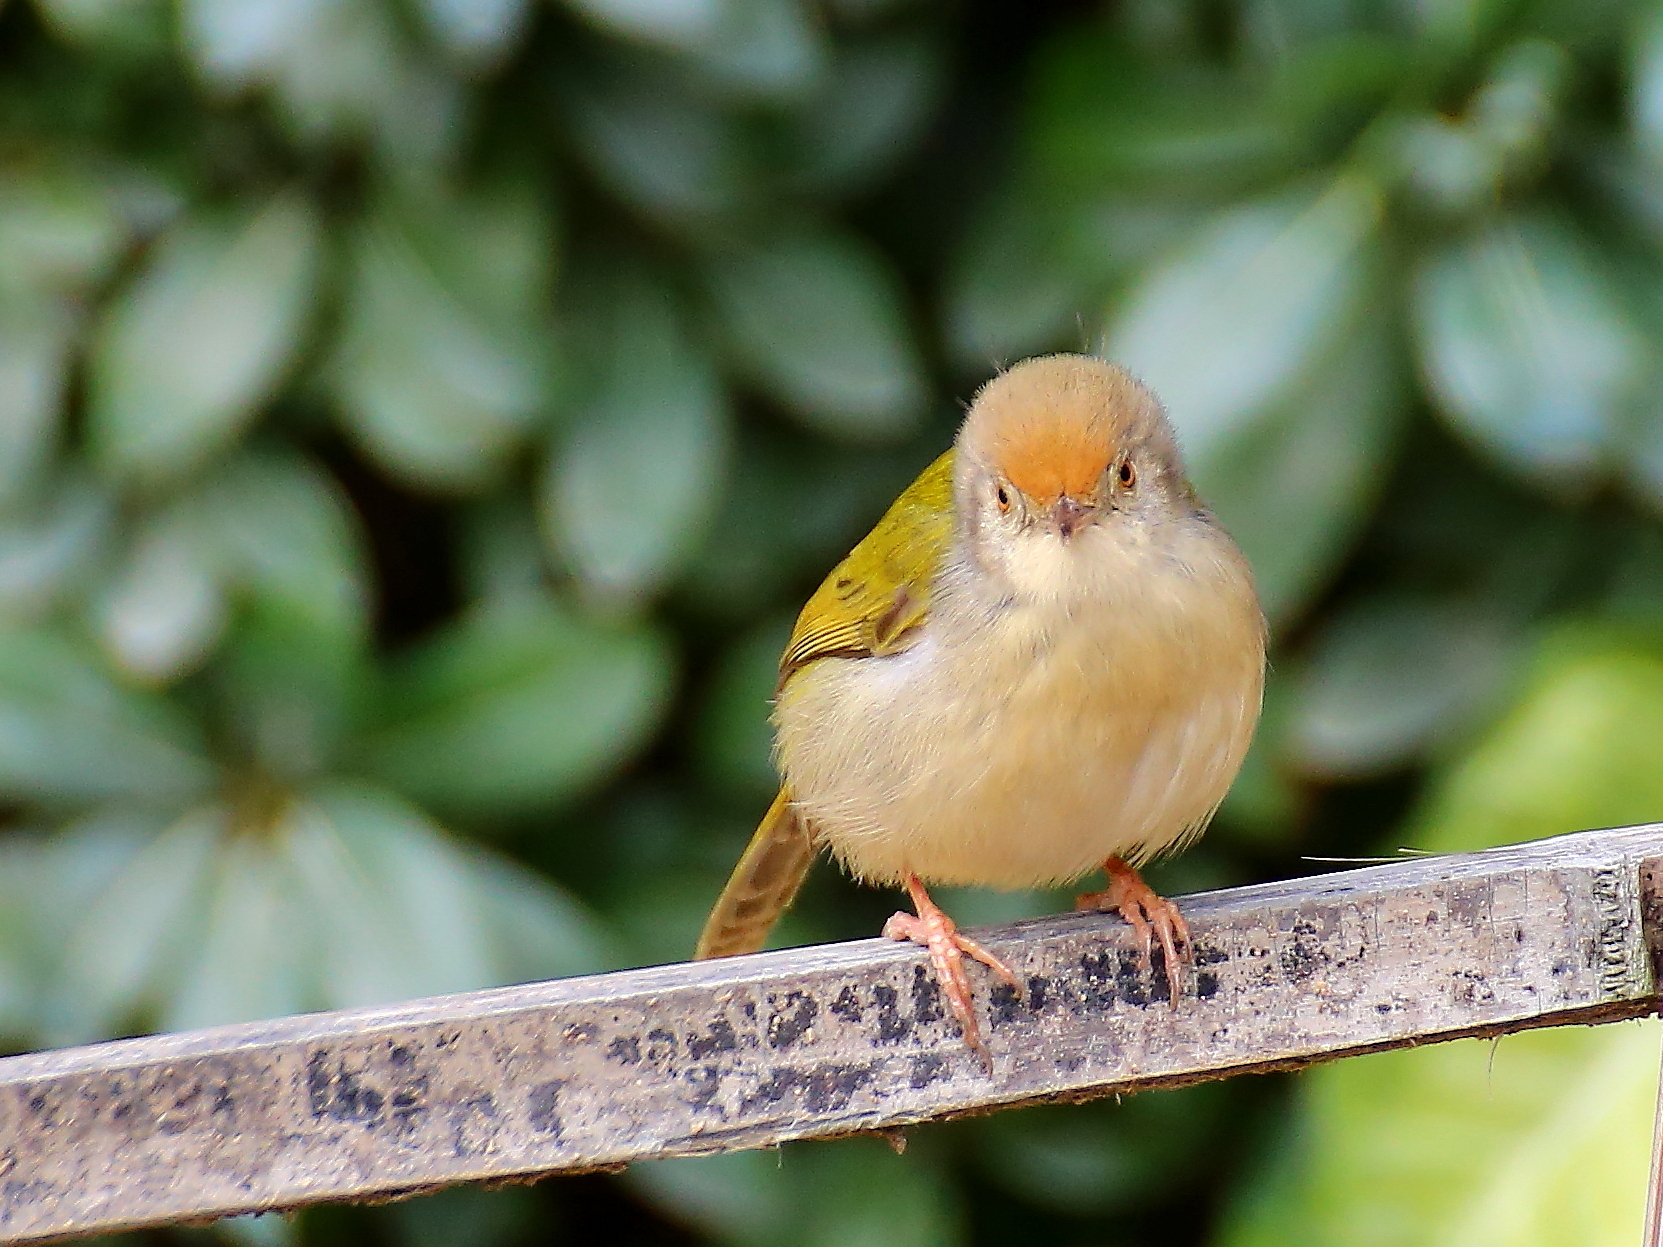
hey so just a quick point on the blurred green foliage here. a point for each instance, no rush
(419, 420)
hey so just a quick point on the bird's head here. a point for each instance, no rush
(1066, 471)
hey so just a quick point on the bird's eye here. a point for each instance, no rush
(1128, 474)
(1003, 498)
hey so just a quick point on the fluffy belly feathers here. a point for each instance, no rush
(1025, 753)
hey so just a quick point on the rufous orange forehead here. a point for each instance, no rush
(1049, 458)
(1053, 426)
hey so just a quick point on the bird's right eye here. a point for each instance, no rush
(1002, 496)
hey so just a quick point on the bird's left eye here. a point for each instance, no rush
(1003, 498)
(1128, 474)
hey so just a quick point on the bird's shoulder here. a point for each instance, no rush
(875, 599)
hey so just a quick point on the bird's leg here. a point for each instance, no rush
(947, 946)
(1151, 917)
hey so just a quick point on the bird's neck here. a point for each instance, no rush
(1102, 578)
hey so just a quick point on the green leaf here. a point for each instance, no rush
(130, 929)
(1542, 1139)
(1455, 27)
(865, 10)
(69, 734)
(23, 886)
(1460, 164)
(162, 612)
(661, 145)
(290, 692)
(401, 910)
(253, 954)
(477, 33)
(1332, 74)
(659, 913)
(83, 857)
(236, 42)
(1539, 1139)
(1106, 119)
(980, 907)
(340, 71)
(1294, 485)
(395, 909)
(1645, 78)
(443, 361)
(1581, 747)
(187, 354)
(859, 1193)
(1283, 396)
(469, 1216)
(792, 510)
(818, 320)
(763, 49)
(678, 23)
(740, 1197)
(733, 739)
(1448, 164)
(1080, 1159)
(277, 903)
(630, 490)
(1032, 272)
(121, 26)
(1391, 677)
(43, 550)
(1526, 347)
(767, 49)
(502, 552)
(851, 1193)
(536, 931)
(59, 233)
(1012, 291)
(268, 530)
(288, 536)
(866, 113)
(35, 341)
(492, 245)
(295, 666)
(260, 1229)
(1229, 324)
(517, 708)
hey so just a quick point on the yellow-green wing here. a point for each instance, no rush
(872, 603)
(877, 596)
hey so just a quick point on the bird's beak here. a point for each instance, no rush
(1071, 516)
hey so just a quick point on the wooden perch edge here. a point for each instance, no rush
(718, 1056)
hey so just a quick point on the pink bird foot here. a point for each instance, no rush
(947, 947)
(1151, 917)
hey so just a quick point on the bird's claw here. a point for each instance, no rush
(1151, 917)
(947, 947)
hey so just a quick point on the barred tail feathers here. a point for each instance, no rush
(762, 886)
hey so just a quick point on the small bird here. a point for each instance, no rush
(1046, 659)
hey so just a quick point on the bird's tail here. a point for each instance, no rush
(761, 886)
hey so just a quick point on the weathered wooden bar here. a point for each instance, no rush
(600, 1071)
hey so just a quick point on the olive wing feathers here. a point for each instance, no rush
(876, 598)
(871, 604)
